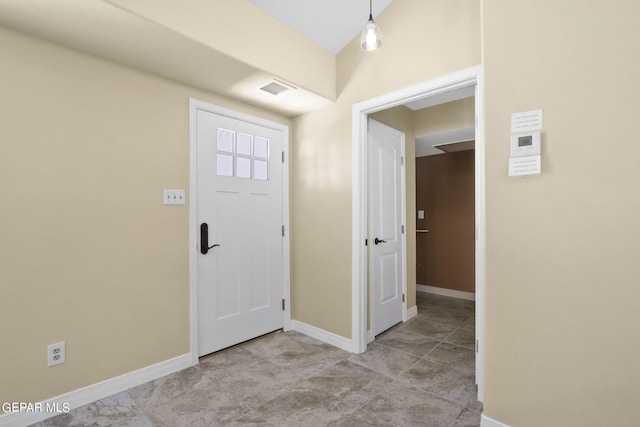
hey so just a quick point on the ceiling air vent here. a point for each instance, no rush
(276, 87)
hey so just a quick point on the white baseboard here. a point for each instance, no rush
(324, 336)
(91, 393)
(446, 292)
(490, 422)
(412, 312)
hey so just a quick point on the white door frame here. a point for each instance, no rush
(194, 106)
(359, 179)
(403, 237)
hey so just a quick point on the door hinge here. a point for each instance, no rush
(477, 346)
(403, 229)
(283, 231)
(282, 304)
(283, 157)
(402, 297)
(402, 160)
(366, 242)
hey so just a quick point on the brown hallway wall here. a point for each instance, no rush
(445, 191)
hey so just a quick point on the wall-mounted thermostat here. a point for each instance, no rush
(527, 144)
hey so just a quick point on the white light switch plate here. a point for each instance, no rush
(173, 197)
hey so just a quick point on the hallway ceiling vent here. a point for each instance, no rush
(276, 87)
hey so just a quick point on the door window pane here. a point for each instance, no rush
(225, 140)
(243, 144)
(261, 147)
(224, 165)
(260, 170)
(243, 167)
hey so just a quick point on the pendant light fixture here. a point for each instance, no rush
(371, 37)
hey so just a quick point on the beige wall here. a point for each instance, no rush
(90, 256)
(440, 118)
(423, 40)
(562, 296)
(88, 253)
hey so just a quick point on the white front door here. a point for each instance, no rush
(240, 228)
(386, 237)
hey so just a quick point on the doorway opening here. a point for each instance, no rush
(432, 90)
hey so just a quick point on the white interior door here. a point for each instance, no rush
(240, 259)
(386, 237)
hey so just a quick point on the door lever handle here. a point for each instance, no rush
(376, 241)
(204, 239)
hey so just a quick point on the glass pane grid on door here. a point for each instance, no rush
(241, 155)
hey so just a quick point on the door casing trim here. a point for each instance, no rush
(194, 106)
(359, 202)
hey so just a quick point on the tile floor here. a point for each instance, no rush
(419, 373)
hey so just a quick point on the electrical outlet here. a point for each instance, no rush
(56, 353)
(173, 197)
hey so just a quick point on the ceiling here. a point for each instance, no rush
(427, 145)
(311, 18)
(110, 32)
(105, 30)
(329, 23)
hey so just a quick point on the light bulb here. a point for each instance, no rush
(371, 37)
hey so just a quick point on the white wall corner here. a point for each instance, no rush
(324, 336)
(490, 422)
(97, 391)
